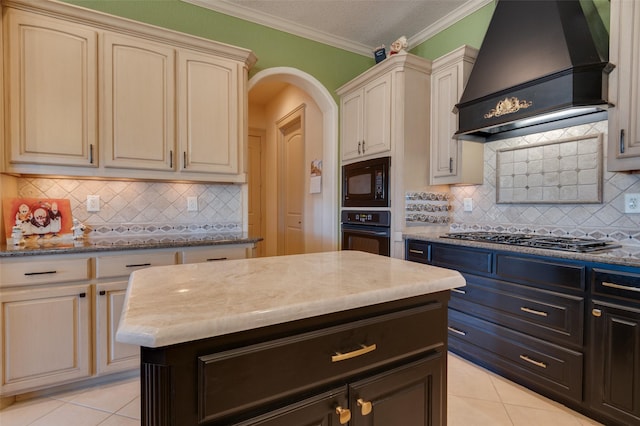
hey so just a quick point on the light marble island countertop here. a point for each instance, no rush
(168, 305)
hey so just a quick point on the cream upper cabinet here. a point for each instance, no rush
(366, 118)
(120, 99)
(624, 90)
(52, 86)
(138, 103)
(453, 161)
(209, 113)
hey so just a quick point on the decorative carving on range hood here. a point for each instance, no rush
(508, 106)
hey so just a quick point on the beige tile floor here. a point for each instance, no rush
(476, 398)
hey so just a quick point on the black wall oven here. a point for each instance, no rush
(366, 183)
(366, 230)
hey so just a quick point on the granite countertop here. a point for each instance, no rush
(625, 255)
(47, 246)
(167, 305)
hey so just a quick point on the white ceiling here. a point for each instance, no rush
(354, 25)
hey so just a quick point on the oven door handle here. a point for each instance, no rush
(363, 232)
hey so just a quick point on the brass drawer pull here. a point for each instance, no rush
(40, 273)
(455, 290)
(621, 287)
(363, 350)
(455, 330)
(596, 313)
(533, 311)
(416, 251)
(532, 361)
(344, 414)
(137, 265)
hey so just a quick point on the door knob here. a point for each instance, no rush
(365, 406)
(596, 312)
(344, 414)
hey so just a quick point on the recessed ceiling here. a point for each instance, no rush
(354, 25)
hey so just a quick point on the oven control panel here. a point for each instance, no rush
(376, 218)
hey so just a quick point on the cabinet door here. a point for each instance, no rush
(209, 113)
(444, 123)
(321, 410)
(411, 395)
(624, 90)
(112, 356)
(615, 381)
(46, 337)
(377, 116)
(52, 76)
(351, 107)
(138, 103)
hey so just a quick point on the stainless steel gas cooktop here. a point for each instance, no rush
(550, 242)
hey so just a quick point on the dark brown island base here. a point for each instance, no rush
(294, 340)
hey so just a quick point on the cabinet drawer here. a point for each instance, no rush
(246, 378)
(124, 264)
(418, 251)
(38, 270)
(622, 285)
(462, 259)
(540, 272)
(213, 254)
(541, 313)
(538, 363)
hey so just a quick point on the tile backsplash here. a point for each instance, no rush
(605, 220)
(144, 208)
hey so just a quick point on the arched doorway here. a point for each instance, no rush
(330, 172)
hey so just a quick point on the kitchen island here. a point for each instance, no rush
(326, 338)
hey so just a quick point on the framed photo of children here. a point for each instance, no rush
(39, 217)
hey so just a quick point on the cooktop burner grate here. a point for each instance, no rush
(579, 245)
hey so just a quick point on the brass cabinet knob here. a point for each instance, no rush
(596, 312)
(365, 406)
(344, 414)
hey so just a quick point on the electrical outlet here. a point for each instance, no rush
(93, 203)
(632, 203)
(468, 204)
(192, 204)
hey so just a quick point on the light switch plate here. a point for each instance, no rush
(192, 204)
(93, 203)
(468, 204)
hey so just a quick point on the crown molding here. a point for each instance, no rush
(248, 14)
(448, 20)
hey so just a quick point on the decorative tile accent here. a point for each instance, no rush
(606, 220)
(426, 208)
(563, 171)
(144, 208)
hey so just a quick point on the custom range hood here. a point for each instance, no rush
(542, 65)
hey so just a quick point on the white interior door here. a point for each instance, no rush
(256, 188)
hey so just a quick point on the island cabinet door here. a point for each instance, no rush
(410, 395)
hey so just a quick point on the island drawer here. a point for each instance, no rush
(124, 264)
(249, 377)
(542, 364)
(541, 313)
(35, 271)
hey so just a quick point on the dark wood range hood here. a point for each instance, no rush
(542, 65)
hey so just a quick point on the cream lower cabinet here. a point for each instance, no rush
(624, 90)
(59, 314)
(52, 73)
(46, 336)
(453, 161)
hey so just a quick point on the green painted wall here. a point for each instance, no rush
(469, 30)
(331, 66)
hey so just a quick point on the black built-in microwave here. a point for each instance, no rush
(366, 183)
